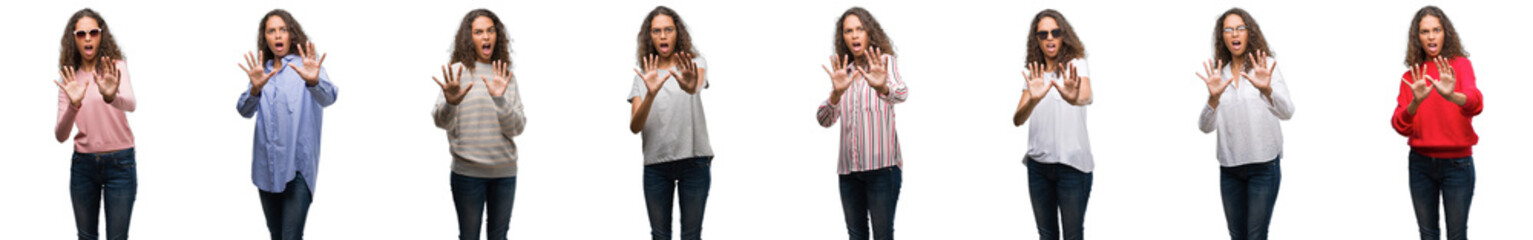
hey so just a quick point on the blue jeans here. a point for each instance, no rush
(1250, 191)
(1058, 191)
(103, 177)
(870, 194)
(691, 178)
(286, 211)
(1453, 180)
(470, 196)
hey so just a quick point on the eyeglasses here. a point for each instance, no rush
(1056, 33)
(92, 33)
(1233, 29)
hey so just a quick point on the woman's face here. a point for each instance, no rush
(1430, 32)
(1049, 36)
(484, 37)
(1235, 34)
(276, 35)
(87, 38)
(855, 36)
(662, 33)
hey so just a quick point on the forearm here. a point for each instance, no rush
(510, 115)
(444, 113)
(66, 120)
(324, 92)
(640, 113)
(248, 103)
(1024, 109)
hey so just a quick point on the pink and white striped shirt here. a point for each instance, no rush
(868, 138)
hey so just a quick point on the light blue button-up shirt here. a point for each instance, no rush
(288, 128)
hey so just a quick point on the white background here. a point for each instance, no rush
(385, 167)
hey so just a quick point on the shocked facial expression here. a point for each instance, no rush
(276, 34)
(1050, 36)
(662, 33)
(854, 35)
(87, 38)
(1430, 32)
(485, 37)
(1235, 34)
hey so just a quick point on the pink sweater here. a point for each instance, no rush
(103, 126)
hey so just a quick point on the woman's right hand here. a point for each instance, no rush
(1420, 87)
(75, 90)
(453, 90)
(651, 73)
(841, 73)
(257, 73)
(1214, 78)
(1037, 87)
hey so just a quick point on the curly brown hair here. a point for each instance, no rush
(69, 54)
(295, 38)
(1072, 48)
(1254, 38)
(464, 48)
(647, 45)
(876, 36)
(1451, 48)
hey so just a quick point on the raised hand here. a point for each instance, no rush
(255, 68)
(1446, 81)
(1037, 87)
(1262, 77)
(310, 70)
(75, 90)
(686, 72)
(502, 74)
(841, 73)
(1070, 85)
(453, 90)
(651, 73)
(108, 77)
(876, 71)
(1420, 87)
(1214, 78)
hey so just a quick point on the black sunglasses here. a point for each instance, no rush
(92, 32)
(1056, 33)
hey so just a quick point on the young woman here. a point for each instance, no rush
(1437, 103)
(1247, 98)
(865, 85)
(1058, 157)
(290, 90)
(94, 95)
(668, 110)
(480, 124)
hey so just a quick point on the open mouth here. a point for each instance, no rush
(1432, 47)
(486, 49)
(278, 47)
(1237, 44)
(1051, 47)
(90, 50)
(665, 47)
(856, 47)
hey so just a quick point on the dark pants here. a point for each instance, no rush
(1250, 191)
(470, 196)
(287, 210)
(1058, 191)
(103, 177)
(870, 194)
(1453, 180)
(687, 178)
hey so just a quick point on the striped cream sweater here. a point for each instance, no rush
(479, 129)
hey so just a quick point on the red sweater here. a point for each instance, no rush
(1441, 129)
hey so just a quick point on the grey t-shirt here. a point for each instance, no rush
(676, 128)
